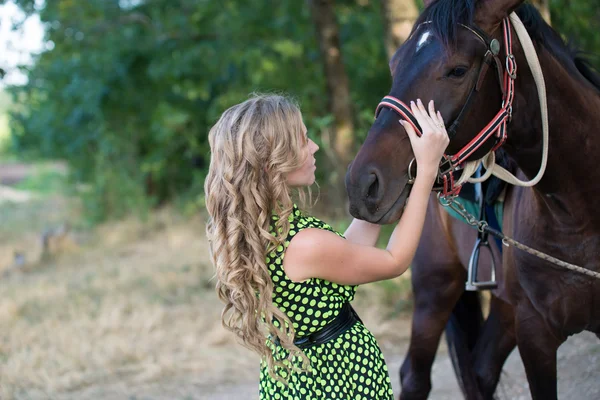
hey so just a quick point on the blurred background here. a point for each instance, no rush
(105, 107)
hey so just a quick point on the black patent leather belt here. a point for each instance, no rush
(339, 325)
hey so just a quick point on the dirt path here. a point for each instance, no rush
(579, 375)
(12, 173)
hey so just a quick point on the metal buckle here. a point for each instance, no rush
(510, 71)
(446, 166)
(495, 47)
(411, 178)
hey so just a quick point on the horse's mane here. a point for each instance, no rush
(446, 15)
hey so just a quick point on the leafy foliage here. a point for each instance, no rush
(5, 104)
(579, 22)
(129, 90)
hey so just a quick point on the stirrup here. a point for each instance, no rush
(472, 283)
(482, 241)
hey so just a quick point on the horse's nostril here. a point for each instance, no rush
(373, 189)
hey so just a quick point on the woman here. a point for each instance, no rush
(294, 311)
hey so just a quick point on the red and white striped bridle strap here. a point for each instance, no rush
(497, 127)
(402, 109)
(498, 124)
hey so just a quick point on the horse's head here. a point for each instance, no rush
(443, 60)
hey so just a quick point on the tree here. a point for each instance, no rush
(337, 80)
(399, 17)
(578, 21)
(544, 8)
(126, 94)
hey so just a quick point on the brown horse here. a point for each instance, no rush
(537, 304)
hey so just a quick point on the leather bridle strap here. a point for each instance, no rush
(401, 109)
(497, 128)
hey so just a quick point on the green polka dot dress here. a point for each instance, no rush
(350, 367)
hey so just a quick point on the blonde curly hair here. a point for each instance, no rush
(254, 145)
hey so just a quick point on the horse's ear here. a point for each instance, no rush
(490, 13)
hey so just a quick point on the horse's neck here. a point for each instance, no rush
(574, 121)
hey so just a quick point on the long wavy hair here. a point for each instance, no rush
(254, 145)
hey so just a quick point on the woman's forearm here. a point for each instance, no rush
(362, 232)
(406, 236)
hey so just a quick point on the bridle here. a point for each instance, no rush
(495, 130)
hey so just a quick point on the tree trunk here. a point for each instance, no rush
(337, 80)
(543, 7)
(398, 18)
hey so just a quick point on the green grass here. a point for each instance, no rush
(46, 181)
(5, 106)
(18, 219)
(47, 185)
(4, 133)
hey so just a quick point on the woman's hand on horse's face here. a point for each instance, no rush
(430, 147)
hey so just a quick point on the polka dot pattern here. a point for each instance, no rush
(349, 367)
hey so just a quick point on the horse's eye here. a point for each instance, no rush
(457, 72)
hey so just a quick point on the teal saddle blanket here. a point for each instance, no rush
(474, 209)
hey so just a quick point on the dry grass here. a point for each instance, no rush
(131, 306)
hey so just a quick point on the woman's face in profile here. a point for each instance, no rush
(305, 175)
